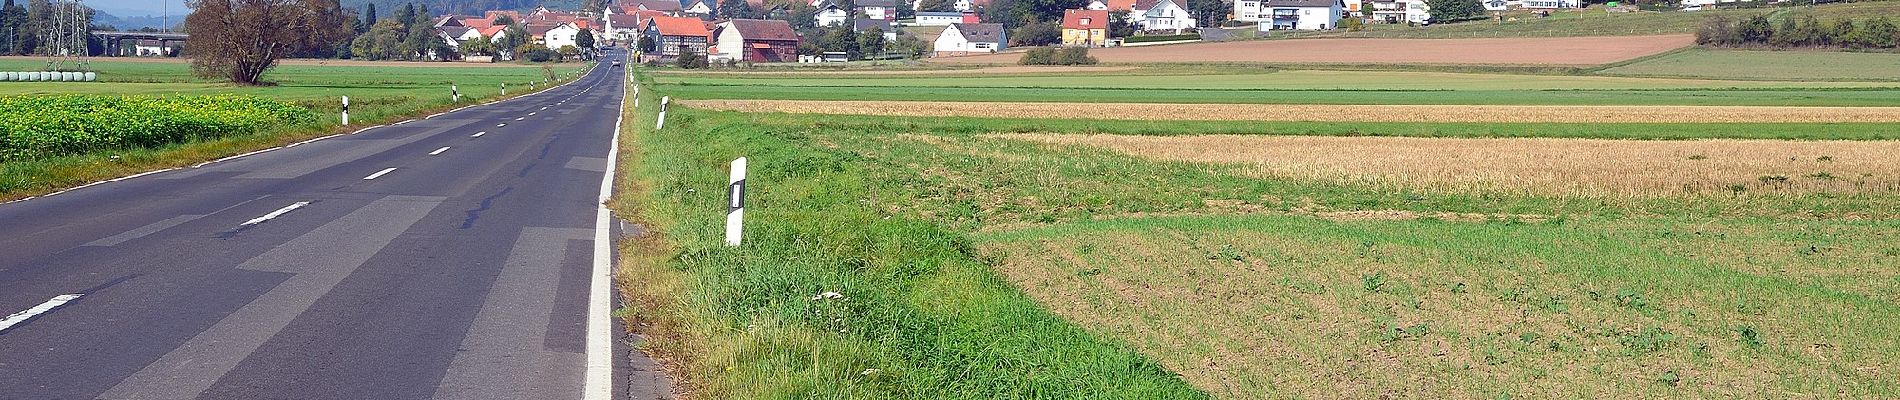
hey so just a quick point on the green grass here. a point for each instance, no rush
(920, 316)
(1280, 80)
(377, 94)
(1789, 97)
(1228, 278)
(1595, 22)
(1270, 86)
(1788, 65)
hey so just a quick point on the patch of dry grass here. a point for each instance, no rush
(1271, 307)
(1320, 113)
(1540, 166)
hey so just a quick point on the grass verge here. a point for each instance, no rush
(917, 314)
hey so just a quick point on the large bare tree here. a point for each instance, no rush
(239, 40)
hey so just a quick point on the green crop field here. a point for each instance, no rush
(1006, 258)
(1767, 65)
(1305, 87)
(378, 93)
(1595, 22)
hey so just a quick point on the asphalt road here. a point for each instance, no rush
(448, 257)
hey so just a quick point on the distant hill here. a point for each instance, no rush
(385, 7)
(134, 23)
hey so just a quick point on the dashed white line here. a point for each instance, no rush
(49, 305)
(533, 113)
(478, 134)
(379, 174)
(521, 118)
(439, 151)
(500, 125)
(274, 214)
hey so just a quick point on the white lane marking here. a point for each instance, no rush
(379, 174)
(522, 118)
(49, 305)
(439, 151)
(274, 214)
(598, 384)
(544, 108)
(533, 113)
(478, 134)
(501, 125)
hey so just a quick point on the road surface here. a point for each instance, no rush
(448, 257)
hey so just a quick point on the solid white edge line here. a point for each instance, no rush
(379, 174)
(49, 305)
(439, 151)
(600, 363)
(274, 214)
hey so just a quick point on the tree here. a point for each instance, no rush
(647, 45)
(1036, 34)
(732, 9)
(1044, 10)
(871, 42)
(1717, 31)
(690, 60)
(839, 39)
(803, 18)
(1119, 25)
(1443, 11)
(1211, 13)
(593, 6)
(504, 20)
(382, 42)
(937, 6)
(13, 28)
(369, 16)
(239, 40)
(585, 39)
(1074, 56)
(1839, 32)
(905, 11)
(512, 39)
(909, 45)
(479, 46)
(419, 38)
(1756, 29)
(1877, 33)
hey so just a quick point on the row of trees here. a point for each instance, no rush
(22, 24)
(1759, 31)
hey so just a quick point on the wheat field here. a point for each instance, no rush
(1320, 113)
(1536, 165)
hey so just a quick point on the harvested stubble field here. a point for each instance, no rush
(1252, 285)
(1544, 166)
(1322, 113)
(1486, 51)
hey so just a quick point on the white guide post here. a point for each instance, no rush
(504, 88)
(636, 96)
(455, 94)
(662, 122)
(346, 110)
(735, 202)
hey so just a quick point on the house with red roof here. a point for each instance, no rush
(755, 40)
(1084, 27)
(674, 36)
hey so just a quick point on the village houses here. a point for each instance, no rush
(1085, 28)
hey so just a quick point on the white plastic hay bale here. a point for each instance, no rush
(92, 76)
(6, 76)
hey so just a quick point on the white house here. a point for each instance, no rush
(830, 14)
(699, 7)
(623, 28)
(1161, 14)
(1290, 14)
(1549, 4)
(1401, 11)
(1096, 5)
(961, 39)
(938, 18)
(562, 35)
(878, 9)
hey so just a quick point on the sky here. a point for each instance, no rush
(138, 7)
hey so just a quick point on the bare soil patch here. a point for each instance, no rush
(1319, 113)
(1493, 51)
(1542, 166)
(302, 61)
